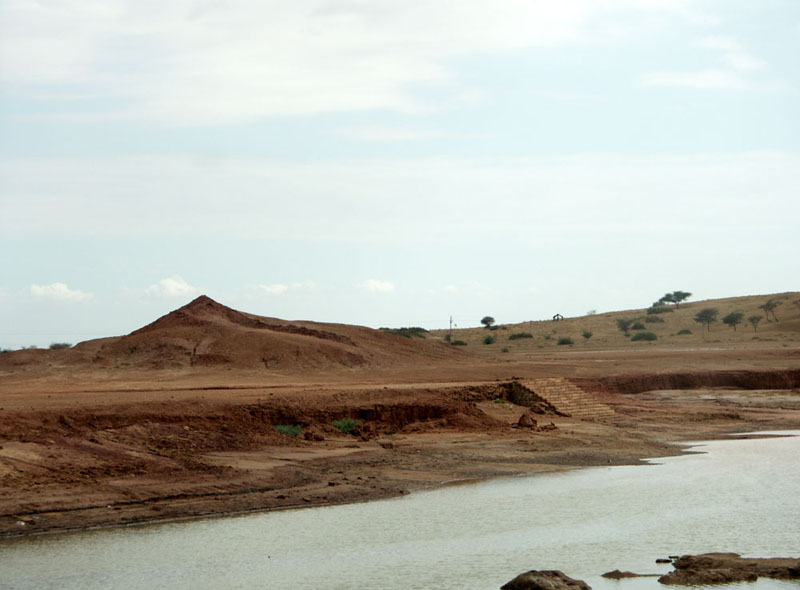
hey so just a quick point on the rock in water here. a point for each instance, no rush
(720, 568)
(545, 580)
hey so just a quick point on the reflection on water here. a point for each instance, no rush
(739, 495)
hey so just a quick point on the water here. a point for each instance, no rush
(739, 495)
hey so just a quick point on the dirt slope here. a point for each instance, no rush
(205, 333)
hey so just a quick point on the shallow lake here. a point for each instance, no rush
(731, 495)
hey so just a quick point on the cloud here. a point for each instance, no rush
(388, 133)
(59, 292)
(376, 286)
(172, 287)
(737, 63)
(733, 53)
(428, 200)
(190, 63)
(702, 80)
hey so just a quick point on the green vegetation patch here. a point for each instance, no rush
(60, 345)
(653, 319)
(565, 341)
(489, 340)
(657, 309)
(519, 335)
(347, 425)
(459, 343)
(412, 332)
(289, 429)
(684, 332)
(644, 336)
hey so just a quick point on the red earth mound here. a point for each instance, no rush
(205, 333)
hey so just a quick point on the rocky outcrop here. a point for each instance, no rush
(723, 568)
(618, 575)
(545, 580)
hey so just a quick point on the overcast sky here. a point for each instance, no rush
(391, 163)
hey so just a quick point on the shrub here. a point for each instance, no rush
(637, 326)
(458, 343)
(644, 336)
(505, 349)
(587, 334)
(347, 425)
(684, 331)
(289, 429)
(653, 319)
(547, 336)
(448, 337)
(518, 335)
(60, 345)
(565, 341)
(657, 309)
(412, 332)
(489, 340)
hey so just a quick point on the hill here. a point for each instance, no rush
(205, 333)
(675, 327)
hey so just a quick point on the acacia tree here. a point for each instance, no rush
(707, 317)
(487, 321)
(733, 319)
(676, 297)
(624, 324)
(769, 308)
(754, 319)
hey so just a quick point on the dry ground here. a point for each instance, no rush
(101, 444)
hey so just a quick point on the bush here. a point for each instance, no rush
(412, 332)
(505, 349)
(565, 341)
(644, 336)
(458, 343)
(347, 425)
(489, 340)
(289, 429)
(637, 326)
(653, 319)
(60, 345)
(587, 334)
(518, 335)
(657, 309)
(684, 331)
(448, 337)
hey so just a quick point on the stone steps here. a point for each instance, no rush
(568, 398)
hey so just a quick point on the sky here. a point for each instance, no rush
(390, 163)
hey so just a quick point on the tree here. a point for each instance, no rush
(733, 319)
(676, 297)
(487, 321)
(707, 317)
(769, 308)
(624, 324)
(60, 345)
(754, 319)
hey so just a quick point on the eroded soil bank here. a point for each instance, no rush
(165, 453)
